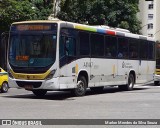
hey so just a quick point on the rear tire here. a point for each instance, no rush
(130, 85)
(4, 87)
(39, 93)
(80, 90)
(156, 83)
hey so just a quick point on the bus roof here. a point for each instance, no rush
(36, 21)
(99, 29)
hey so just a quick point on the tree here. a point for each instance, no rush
(12, 10)
(115, 13)
(43, 8)
(22, 10)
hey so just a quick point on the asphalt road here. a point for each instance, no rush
(141, 103)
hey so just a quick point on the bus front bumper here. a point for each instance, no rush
(52, 84)
(58, 83)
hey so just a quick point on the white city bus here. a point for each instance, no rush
(57, 55)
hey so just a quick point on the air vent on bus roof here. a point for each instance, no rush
(102, 26)
(122, 30)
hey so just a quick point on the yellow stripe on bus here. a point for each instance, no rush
(30, 76)
(158, 70)
(87, 28)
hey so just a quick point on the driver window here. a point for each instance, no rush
(67, 46)
(62, 47)
(70, 46)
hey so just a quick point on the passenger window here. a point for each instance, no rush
(122, 48)
(110, 46)
(151, 50)
(97, 45)
(84, 48)
(143, 49)
(133, 48)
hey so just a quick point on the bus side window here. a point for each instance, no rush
(151, 50)
(122, 48)
(133, 48)
(70, 46)
(143, 49)
(67, 46)
(62, 47)
(84, 46)
(110, 46)
(97, 45)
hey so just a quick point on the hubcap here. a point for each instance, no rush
(80, 87)
(5, 86)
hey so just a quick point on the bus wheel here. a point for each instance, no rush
(39, 93)
(4, 87)
(130, 85)
(156, 82)
(80, 90)
(97, 89)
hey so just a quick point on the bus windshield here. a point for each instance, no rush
(30, 49)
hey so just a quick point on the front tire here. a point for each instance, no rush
(4, 87)
(80, 90)
(39, 93)
(130, 85)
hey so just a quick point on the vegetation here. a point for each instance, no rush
(115, 13)
(21, 10)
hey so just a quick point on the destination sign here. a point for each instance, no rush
(33, 27)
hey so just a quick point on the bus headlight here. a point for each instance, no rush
(51, 74)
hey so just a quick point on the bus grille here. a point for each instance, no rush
(34, 84)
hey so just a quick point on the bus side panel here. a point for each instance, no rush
(123, 69)
(134, 66)
(103, 72)
(151, 70)
(69, 72)
(66, 75)
(143, 71)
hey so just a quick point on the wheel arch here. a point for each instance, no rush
(85, 74)
(134, 75)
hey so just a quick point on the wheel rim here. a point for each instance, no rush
(5, 87)
(80, 88)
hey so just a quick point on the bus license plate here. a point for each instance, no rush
(28, 87)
